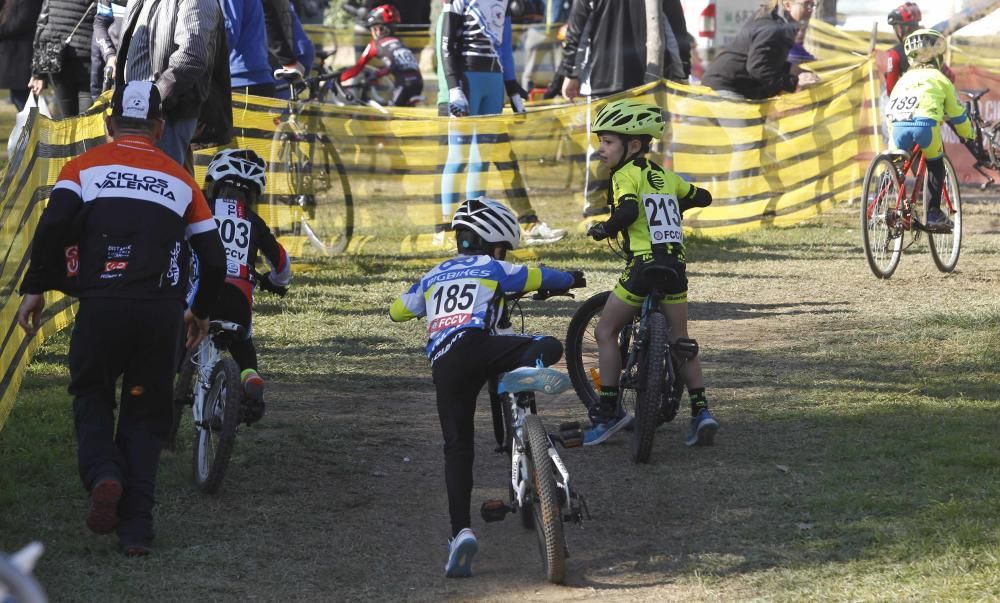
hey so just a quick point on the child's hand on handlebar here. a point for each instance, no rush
(598, 231)
(579, 280)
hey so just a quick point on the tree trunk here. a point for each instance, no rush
(654, 43)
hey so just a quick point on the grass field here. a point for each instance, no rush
(858, 457)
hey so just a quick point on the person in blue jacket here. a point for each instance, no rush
(249, 68)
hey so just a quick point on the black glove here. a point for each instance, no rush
(579, 280)
(266, 285)
(598, 231)
(517, 95)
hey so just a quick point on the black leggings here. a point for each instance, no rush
(233, 306)
(459, 375)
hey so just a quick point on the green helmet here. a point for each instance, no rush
(925, 47)
(630, 118)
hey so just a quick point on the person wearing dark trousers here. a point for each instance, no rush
(62, 53)
(17, 28)
(113, 235)
(104, 48)
(596, 63)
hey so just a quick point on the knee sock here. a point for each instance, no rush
(607, 404)
(698, 400)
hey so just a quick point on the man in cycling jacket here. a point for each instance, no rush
(113, 233)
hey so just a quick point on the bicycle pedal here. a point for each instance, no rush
(494, 510)
(570, 435)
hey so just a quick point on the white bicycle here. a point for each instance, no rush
(209, 382)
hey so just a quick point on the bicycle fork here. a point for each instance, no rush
(205, 359)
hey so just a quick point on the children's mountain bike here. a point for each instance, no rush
(890, 210)
(209, 382)
(539, 488)
(986, 144)
(651, 383)
(305, 173)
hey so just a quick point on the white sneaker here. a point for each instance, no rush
(440, 239)
(461, 550)
(539, 233)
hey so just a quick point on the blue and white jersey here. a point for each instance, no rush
(476, 36)
(465, 292)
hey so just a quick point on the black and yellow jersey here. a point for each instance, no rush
(646, 206)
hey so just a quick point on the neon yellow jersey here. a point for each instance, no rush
(924, 92)
(657, 192)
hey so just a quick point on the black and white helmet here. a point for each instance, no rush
(491, 220)
(241, 167)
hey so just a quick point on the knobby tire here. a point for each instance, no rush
(224, 398)
(652, 363)
(545, 501)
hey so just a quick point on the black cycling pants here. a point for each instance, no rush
(233, 306)
(459, 375)
(403, 92)
(134, 340)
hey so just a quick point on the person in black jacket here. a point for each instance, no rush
(104, 47)
(65, 64)
(17, 28)
(605, 53)
(131, 212)
(755, 65)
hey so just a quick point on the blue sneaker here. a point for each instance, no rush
(602, 431)
(534, 379)
(461, 550)
(703, 428)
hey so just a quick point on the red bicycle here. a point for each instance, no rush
(889, 210)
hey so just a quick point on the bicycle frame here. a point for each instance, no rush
(205, 358)
(519, 462)
(906, 200)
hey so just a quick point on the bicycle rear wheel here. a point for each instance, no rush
(545, 501)
(215, 437)
(310, 195)
(881, 224)
(945, 247)
(649, 387)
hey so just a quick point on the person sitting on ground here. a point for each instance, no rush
(233, 186)
(461, 299)
(396, 57)
(647, 205)
(920, 101)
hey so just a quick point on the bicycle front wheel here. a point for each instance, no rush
(650, 385)
(945, 247)
(215, 437)
(328, 212)
(881, 224)
(545, 501)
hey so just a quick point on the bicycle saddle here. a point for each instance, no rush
(655, 274)
(975, 94)
(224, 326)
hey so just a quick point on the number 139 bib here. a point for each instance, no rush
(664, 218)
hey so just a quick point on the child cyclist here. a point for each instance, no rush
(233, 185)
(647, 202)
(462, 300)
(396, 57)
(921, 99)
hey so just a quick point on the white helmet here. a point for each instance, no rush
(241, 167)
(925, 47)
(490, 219)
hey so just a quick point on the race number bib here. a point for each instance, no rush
(450, 304)
(663, 215)
(901, 108)
(235, 234)
(404, 60)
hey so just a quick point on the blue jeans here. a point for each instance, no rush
(177, 134)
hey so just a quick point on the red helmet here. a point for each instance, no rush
(385, 14)
(906, 14)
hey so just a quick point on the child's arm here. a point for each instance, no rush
(274, 254)
(517, 278)
(955, 112)
(360, 65)
(409, 305)
(696, 197)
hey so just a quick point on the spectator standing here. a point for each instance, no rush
(130, 279)
(180, 46)
(539, 39)
(249, 68)
(604, 54)
(62, 53)
(104, 47)
(475, 72)
(281, 35)
(18, 20)
(755, 65)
